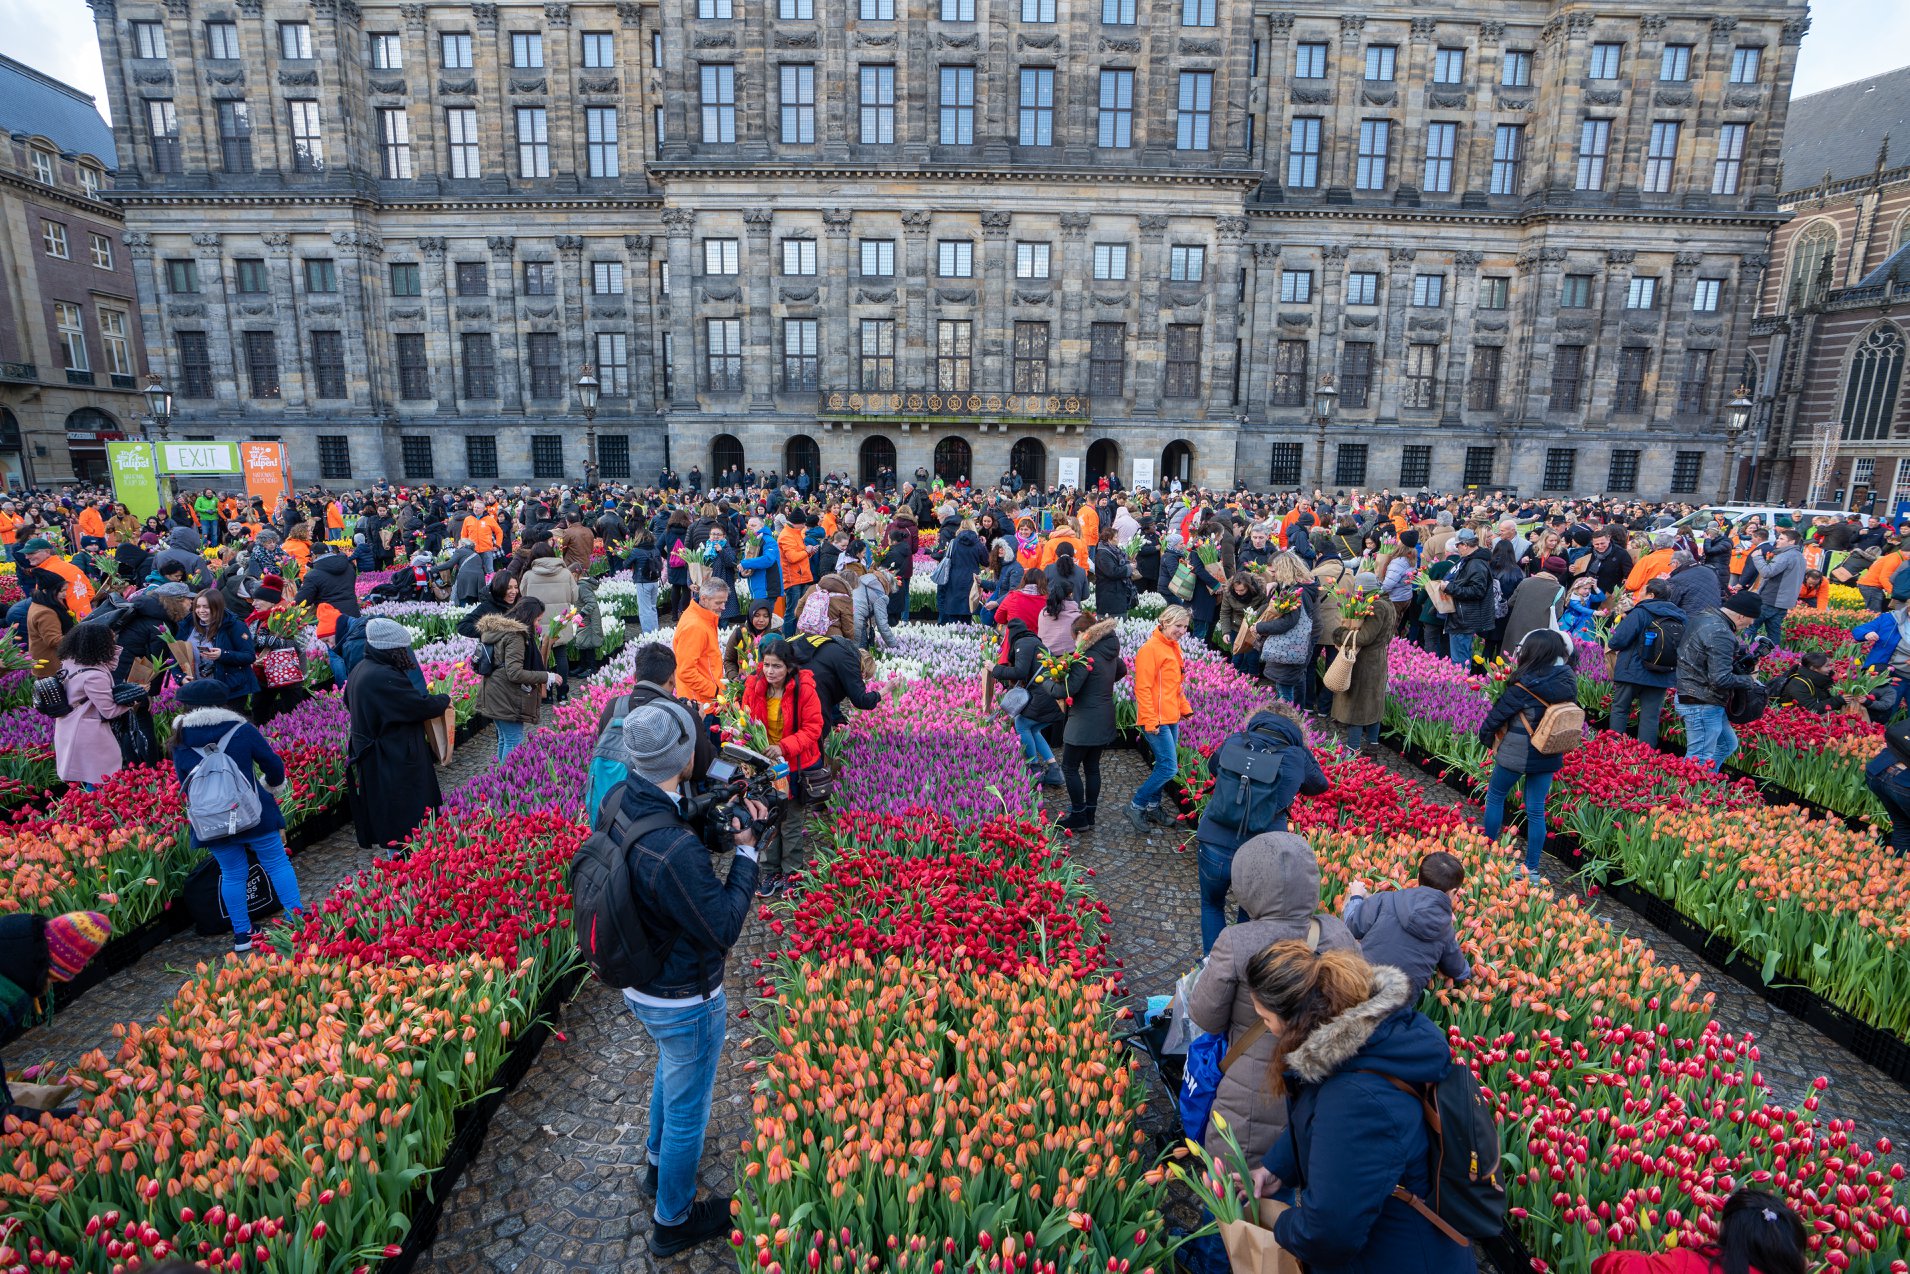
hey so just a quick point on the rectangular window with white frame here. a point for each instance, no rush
(102, 249)
(1642, 293)
(295, 41)
(115, 341)
(308, 138)
(1309, 60)
(1303, 153)
(394, 137)
(1370, 168)
(799, 258)
(222, 41)
(1038, 10)
(796, 84)
(955, 259)
(1594, 147)
(876, 99)
(1429, 291)
(724, 340)
(235, 136)
(599, 50)
(1381, 60)
(1442, 143)
(1705, 295)
(718, 89)
(1194, 116)
(1728, 170)
(957, 106)
(527, 50)
(600, 142)
(454, 50)
(1508, 159)
(461, 133)
(958, 10)
(1661, 158)
(1114, 125)
(1186, 263)
(162, 125)
(1745, 62)
(1031, 260)
(1605, 61)
(878, 258)
(1110, 261)
(1118, 13)
(53, 238)
(1674, 64)
(606, 278)
(877, 10)
(69, 321)
(721, 257)
(1296, 287)
(1515, 68)
(613, 364)
(387, 51)
(533, 142)
(1362, 287)
(1199, 13)
(802, 365)
(1036, 122)
(1449, 66)
(149, 40)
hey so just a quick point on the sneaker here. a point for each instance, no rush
(709, 1219)
(1138, 819)
(242, 944)
(1163, 814)
(769, 885)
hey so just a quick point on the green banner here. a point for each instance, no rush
(135, 478)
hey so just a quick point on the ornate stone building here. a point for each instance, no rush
(1828, 347)
(956, 234)
(70, 350)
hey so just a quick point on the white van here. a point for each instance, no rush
(1740, 516)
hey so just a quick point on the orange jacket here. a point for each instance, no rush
(301, 552)
(1648, 568)
(829, 525)
(484, 533)
(795, 561)
(1287, 520)
(78, 591)
(334, 516)
(1158, 696)
(1090, 524)
(8, 528)
(1879, 572)
(90, 523)
(1050, 547)
(699, 656)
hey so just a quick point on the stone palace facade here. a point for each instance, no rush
(1523, 241)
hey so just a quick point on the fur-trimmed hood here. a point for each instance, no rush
(491, 627)
(198, 717)
(1094, 632)
(1357, 1033)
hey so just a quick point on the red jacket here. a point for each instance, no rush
(1018, 605)
(1680, 1260)
(802, 729)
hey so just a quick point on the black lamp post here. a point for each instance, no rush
(159, 404)
(1325, 399)
(1740, 408)
(587, 390)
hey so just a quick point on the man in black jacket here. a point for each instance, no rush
(837, 667)
(1470, 587)
(654, 668)
(332, 580)
(1609, 562)
(1706, 659)
(683, 1008)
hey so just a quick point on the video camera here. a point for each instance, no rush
(737, 775)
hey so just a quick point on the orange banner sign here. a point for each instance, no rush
(265, 472)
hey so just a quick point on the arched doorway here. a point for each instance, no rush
(1104, 461)
(1177, 461)
(801, 453)
(1029, 459)
(726, 453)
(952, 460)
(878, 453)
(12, 451)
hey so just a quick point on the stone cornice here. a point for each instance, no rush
(1227, 179)
(42, 193)
(1761, 221)
(463, 203)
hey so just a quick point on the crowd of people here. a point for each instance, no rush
(778, 594)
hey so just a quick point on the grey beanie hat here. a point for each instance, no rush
(387, 634)
(660, 739)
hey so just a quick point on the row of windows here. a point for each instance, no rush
(480, 457)
(115, 338)
(46, 171)
(1311, 61)
(1351, 467)
(385, 49)
(54, 239)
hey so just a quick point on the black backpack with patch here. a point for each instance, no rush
(1468, 1198)
(1658, 646)
(623, 944)
(1246, 774)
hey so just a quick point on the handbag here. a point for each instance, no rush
(1339, 674)
(817, 783)
(138, 744)
(1182, 584)
(1015, 701)
(280, 668)
(205, 899)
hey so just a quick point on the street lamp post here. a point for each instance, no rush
(1325, 399)
(1740, 408)
(159, 404)
(587, 389)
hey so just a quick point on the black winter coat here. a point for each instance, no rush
(700, 915)
(1091, 687)
(1021, 669)
(1695, 588)
(1470, 587)
(837, 666)
(1520, 708)
(392, 779)
(143, 636)
(1705, 660)
(332, 580)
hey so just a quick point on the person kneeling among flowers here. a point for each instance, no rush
(35, 952)
(782, 699)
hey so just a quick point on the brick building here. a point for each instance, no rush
(70, 349)
(1828, 345)
(956, 234)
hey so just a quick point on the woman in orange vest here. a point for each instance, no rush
(298, 543)
(1874, 583)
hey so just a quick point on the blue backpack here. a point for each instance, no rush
(607, 765)
(1209, 1057)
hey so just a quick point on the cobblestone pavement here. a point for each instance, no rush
(556, 1185)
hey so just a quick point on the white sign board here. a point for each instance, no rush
(199, 457)
(1070, 471)
(1143, 475)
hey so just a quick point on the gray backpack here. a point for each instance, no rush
(221, 799)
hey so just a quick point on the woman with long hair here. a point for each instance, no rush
(223, 645)
(85, 749)
(514, 691)
(782, 699)
(1541, 677)
(1351, 1056)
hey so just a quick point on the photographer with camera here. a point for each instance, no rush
(653, 917)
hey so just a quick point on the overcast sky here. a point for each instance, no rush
(1849, 39)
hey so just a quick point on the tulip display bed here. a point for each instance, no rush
(937, 1075)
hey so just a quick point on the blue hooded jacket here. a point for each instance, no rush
(202, 727)
(671, 868)
(1300, 773)
(1372, 1137)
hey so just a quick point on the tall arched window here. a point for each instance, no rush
(1809, 251)
(1902, 237)
(1870, 388)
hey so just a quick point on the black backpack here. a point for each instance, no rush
(484, 660)
(1468, 1198)
(1246, 772)
(619, 940)
(1658, 647)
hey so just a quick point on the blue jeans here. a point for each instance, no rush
(689, 1038)
(1771, 620)
(647, 606)
(1358, 736)
(1034, 745)
(1536, 787)
(1460, 648)
(510, 734)
(1709, 738)
(269, 849)
(1216, 875)
(1165, 744)
(792, 602)
(1247, 662)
